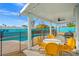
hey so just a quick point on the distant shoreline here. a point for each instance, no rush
(13, 27)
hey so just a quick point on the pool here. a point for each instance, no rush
(16, 34)
(21, 34)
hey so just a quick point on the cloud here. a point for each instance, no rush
(5, 12)
(20, 4)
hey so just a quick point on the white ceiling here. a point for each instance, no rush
(50, 11)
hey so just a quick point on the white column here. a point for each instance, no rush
(29, 33)
(77, 26)
(57, 28)
(50, 28)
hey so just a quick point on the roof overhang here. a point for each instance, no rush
(50, 11)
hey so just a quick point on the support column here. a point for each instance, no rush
(57, 28)
(50, 28)
(29, 33)
(77, 27)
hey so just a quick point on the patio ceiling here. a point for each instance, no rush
(50, 11)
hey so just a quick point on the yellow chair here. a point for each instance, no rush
(69, 46)
(71, 42)
(51, 36)
(39, 41)
(52, 49)
(65, 48)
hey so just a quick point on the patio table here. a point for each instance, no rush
(53, 40)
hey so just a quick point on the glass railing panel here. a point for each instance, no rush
(10, 43)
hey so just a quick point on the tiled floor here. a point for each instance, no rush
(16, 53)
(33, 53)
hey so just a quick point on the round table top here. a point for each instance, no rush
(53, 40)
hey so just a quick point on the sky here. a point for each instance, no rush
(9, 12)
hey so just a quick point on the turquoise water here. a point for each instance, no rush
(67, 29)
(14, 34)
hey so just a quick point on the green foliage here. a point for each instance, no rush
(71, 25)
(42, 26)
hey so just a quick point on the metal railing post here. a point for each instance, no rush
(20, 43)
(1, 36)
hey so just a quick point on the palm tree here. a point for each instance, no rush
(4, 25)
(24, 25)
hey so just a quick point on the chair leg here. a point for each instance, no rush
(71, 54)
(61, 53)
